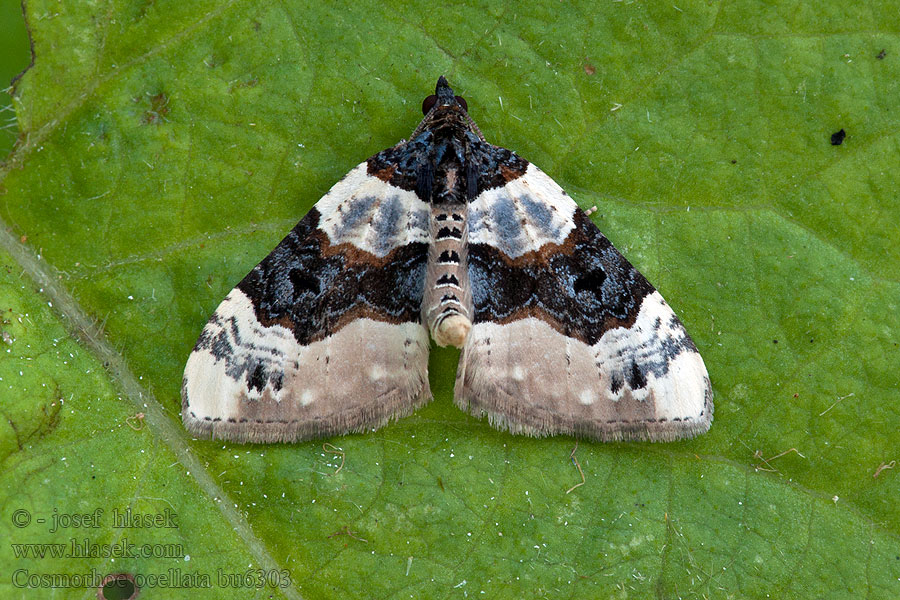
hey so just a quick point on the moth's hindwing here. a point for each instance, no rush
(567, 336)
(323, 336)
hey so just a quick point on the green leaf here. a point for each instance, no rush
(14, 57)
(165, 147)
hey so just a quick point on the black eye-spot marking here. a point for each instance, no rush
(449, 256)
(448, 279)
(303, 281)
(590, 282)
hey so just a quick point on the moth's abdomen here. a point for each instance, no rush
(448, 302)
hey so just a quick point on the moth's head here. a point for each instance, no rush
(444, 110)
(443, 99)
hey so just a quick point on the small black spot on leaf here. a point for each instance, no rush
(837, 138)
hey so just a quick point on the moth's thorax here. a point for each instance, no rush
(449, 181)
(447, 122)
(452, 162)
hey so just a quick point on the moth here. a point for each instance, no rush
(449, 237)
